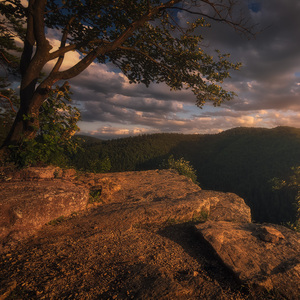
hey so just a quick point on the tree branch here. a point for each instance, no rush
(29, 41)
(237, 25)
(5, 58)
(11, 105)
(146, 17)
(39, 25)
(80, 66)
(63, 50)
(105, 46)
(62, 45)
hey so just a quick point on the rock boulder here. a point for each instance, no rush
(27, 205)
(260, 255)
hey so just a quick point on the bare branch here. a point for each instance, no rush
(5, 58)
(7, 98)
(62, 45)
(63, 50)
(240, 25)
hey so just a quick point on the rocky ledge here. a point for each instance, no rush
(136, 235)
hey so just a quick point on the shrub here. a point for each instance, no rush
(182, 166)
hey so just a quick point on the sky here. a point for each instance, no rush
(268, 84)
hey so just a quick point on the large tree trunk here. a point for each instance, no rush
(26, 122)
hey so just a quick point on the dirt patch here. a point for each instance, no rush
(76, 260)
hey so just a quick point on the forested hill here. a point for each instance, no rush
(240, 160)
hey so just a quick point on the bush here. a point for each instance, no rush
(182, 166)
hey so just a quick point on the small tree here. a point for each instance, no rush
(145, 39)
(182, 166)
(53, 142)
(293, 182)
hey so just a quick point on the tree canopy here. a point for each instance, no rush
(148, 40)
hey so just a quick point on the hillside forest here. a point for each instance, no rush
(241, 160)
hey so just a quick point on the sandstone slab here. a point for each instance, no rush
(32, 197)
(27, 205)
(261, 255)
(160, 195)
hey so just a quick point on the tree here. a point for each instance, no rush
(53, 143)
(145, 39)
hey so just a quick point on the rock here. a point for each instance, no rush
(269, 234)
(11, 173)
(265, 256)
(164, 196)
(112, 249)
(145, 186)
(7, 173)
(137, 213)
(69, 173)
(126, 199)
(10, 287)
(27, 205)
(38, 173)
(159, 196)
(227, 207)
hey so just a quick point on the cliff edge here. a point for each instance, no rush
(136, 235)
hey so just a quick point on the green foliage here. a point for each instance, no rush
(95, 196)
(100, 165)
(57, 221)
(151, 45)
(53, 143)
(201, 217)
(293, 183)
(182, 166)
(9, 102)
(88, 160)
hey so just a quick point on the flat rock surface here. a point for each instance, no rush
(126, 199)
(136, 240)
(164, 194)
(264, 255)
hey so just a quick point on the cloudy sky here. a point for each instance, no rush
(268, 84)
